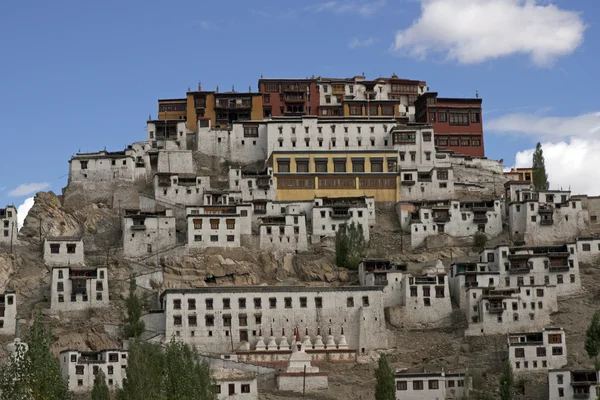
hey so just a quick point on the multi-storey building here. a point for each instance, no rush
(336, 173)
(78, 288)
(103, 166)
(145, 233)
(221, 319)
(81, 367)
(457, 122)
(519, 174)
(568, 384)
(286, 232)
(234, 384)
(329, 215)
(167, 134)
(218, 225)
(494, 311)
(467, 275)
(537, 351)
(8, 312)
(63, 251)
(588, 248)
(542, 217)
(535, 265)
(382, 272)
(10, 224)
(424, 384)
(289, 97)
(454, 218)
(181, 189)
(255, 187)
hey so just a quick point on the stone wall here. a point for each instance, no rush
(295, 382)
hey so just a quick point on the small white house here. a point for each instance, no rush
(253, 185)
(8, 313)
(330, 213)
(63, 251)
(184, 189)
(566, 384)
(537, 351)
(102, 166)
(146, 233)
(167, 134)
(81, 368)
(382, 272)
(78, 288)
(235, 384)
(422, 384)
(285, 233)
(466, 275)
(588, 248)
(218, 225)
(10, 225)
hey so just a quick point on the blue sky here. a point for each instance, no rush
(81, 76)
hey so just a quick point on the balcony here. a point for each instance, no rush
(471, 284)
(546, 222)
(407, 183)
(519, 270)
(546, 209)
(263, 184)
(441, 218)
(559, 268)
(138, 227)
(496, 310)
(294, 88)
(581, 395)
(480, 220)
(482, 209)
(293, 99)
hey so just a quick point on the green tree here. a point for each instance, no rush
(135, 326)
(540, 178)
(145, 368)
(479, 240)
(185, 376)
(100, 390)
(592, 339)
(350, 246)
(385, 388)
(507, 382)
(33, 372)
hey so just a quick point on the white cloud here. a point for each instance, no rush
(473, 31)
(361, 7)
(583, 126)
(23, 210)
(204, 25)
(569, 164)
(355, 42)
(28, 188)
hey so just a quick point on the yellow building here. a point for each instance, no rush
(520, 174)
(306, 175)
(221, 109)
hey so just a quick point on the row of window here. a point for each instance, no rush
(60, 286)
(55, 248)
(244, 388)
(336, 183)
(358, 165)
(257, 302)
(439, 291)
(214, 223)
(80, 369)
(84, 298)
(214, 238)
(520, 281)
(432, 384)
(588, 247)
(443, 141)
(540, 351)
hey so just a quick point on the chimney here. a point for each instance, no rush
(199, 86)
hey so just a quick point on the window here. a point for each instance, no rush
(79, 369)
(350, 302)
(192, 320)
(376, 165)
(226, 320)
(365, 301)
(459, 119)
(251, 131)
(303, 302)
(401, 385)
(287, 302)
(358, 165)
(520, 352)
(61, 298)
(559, 279)
(230, 223)
(434, 385)
(257, 303)
(226, 304)
(557, 351)
(245, 388)
(426, 291)
(60, 287)
(318, 302)
(214, 224)
(475, 118)
(71, 248)
(339, 165)
(540, 351)
(417, 385)
(283, 166)
(209, 304)
(242, 320)
(585, 247)
(177, 320)
(442, 117)
(54, 248)
(413, 291)
(177, 304)
(555, 338)
(272, 302)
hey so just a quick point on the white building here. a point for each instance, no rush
(536, 265)
(300, 375)
(254, 186)
(466, 275)
(80, 368)
(537, 351)
(284, 233)
(180, 189)
(75, 288)
(454, 218)
(145, 233)
(10, 225)
(234, 384)
(330, 213)
(243, 142)
(221, 319)
(422, 384)
(101, 167)
(565, 384)
(588, 248)
(167, 135)
(495, 311)
(218, 225)
(382, 272)
(63, 251)
(543, 217)
(8, 313)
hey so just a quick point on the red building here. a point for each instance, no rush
(289, 97)
(457, 123)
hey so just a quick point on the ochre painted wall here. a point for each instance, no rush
(257, 108)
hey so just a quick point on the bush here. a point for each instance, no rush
(479, 240)
(350, 246)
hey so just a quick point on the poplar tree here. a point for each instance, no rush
(592, 339)
(186, 377)
(507, 382)
(350, 246)
(540, 178)
(385, 388)
(100, 390)
(145, 368)
(135, 326)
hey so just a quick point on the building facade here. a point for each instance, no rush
(8, 312)
(101, 167)
(284, 233)
(10, 224)
(234, 384)
(63, 251)
(537, 351)
(218, 225)
(289, 97)
(422, 384)
(80, 368)
(78, 288)
(567, 384)
(329, 215)
(180, 189)
(466, 275)
(222, 319)
(145, 233)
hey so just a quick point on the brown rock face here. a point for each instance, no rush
(55, 221)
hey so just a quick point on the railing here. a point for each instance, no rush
(482, 208)
(559, 268)
(407, 183)
(548, 209)
(480, 220)
(546, 222)
(423, 179)
(519, 270)
(496, 310)
(263, 185)
(138, 227)
(471, 284)
(444, 218)
(340, 216)
(581, 395)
